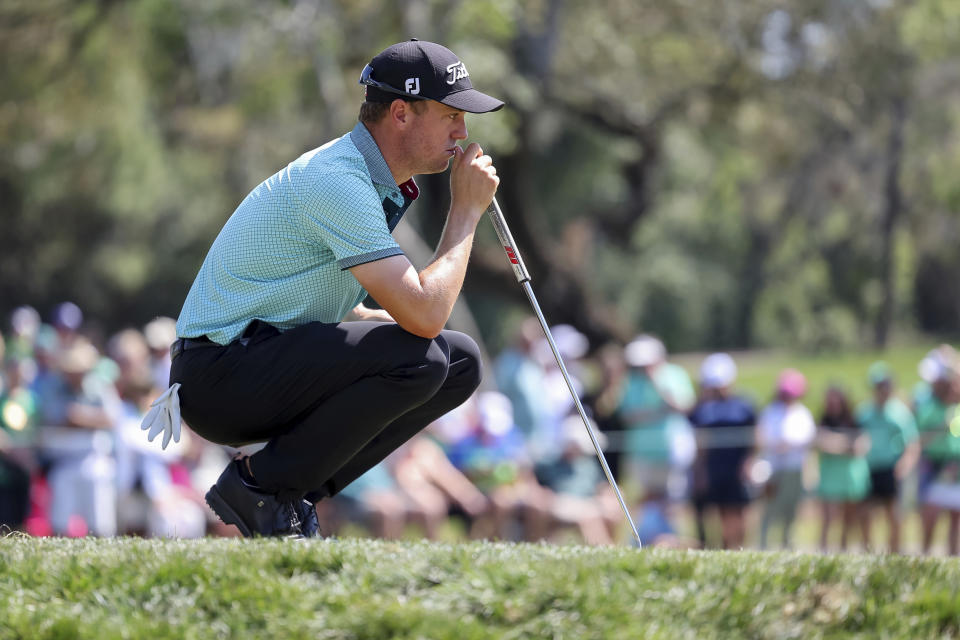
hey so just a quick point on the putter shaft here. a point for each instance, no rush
(523, 277)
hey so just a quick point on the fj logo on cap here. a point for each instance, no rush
(412, 85)
(457, 70)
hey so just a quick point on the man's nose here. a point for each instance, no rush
(460, 133)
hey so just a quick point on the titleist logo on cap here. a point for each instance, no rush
(456, 70)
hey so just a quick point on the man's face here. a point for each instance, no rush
(432, 135)
(75, 379)
(882, 391)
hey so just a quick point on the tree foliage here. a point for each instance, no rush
(727, 174)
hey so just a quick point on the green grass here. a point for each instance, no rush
(129, 588)
(758, 371)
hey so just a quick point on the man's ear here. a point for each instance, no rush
(399, 112)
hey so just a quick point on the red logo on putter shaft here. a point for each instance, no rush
(511, 255)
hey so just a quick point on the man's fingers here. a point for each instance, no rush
(483, 161)
(473, 150)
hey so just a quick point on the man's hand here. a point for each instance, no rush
(84, 416)
(362, 312)
(473, 182)
(421, 302)
(907, 461)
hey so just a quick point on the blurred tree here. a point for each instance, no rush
(723, 174)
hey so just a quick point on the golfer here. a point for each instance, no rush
(274, 343)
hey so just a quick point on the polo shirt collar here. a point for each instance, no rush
(376, 165)
(401, 196)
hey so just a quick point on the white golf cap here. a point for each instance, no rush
(717, 371)
(160, 332)
(571, 344)
(930, 368)
(644, 351)
(496, 412)
(938, 364)
(575, 433)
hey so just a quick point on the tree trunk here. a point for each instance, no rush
(892, 211)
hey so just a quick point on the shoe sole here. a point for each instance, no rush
(225, 512)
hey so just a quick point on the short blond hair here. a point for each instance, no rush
(371, 112)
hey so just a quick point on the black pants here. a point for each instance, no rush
(332, 400)
(14, 493)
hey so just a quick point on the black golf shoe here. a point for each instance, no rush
(309, 523)
(253, 512)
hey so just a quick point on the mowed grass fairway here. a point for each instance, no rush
(130, 588)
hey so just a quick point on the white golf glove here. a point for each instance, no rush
(164, 415)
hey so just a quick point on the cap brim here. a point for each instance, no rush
(472, 101)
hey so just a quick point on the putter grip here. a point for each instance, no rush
(506, 241)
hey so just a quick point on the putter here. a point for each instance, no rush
(523, 277)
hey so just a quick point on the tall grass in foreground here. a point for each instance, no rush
(129, 588)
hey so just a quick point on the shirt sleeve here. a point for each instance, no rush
(862, 416)
(343, 212)
(675, 384)
(807, 428)
(749, 414)
(696, 415)
(908, 425)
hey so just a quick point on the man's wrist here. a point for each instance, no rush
(465, 212)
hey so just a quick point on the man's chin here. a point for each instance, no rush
(438, 167)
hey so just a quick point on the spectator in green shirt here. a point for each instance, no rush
(940, 452)
(844, 472)
(659, 443)
(894, 449)
(654, 401)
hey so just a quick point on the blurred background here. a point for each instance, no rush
(729, 175)
(773, 180)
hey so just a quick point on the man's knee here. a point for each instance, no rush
(466, 369)
(424, 377)
(451, 362)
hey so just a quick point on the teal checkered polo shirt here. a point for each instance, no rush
(284, 254)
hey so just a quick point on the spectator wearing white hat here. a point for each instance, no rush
(723, 423)
(940, 454)
(659, 442)
(930, 368)
(522, 377)
(545, 443)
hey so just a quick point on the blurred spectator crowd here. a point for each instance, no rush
(700, 464)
